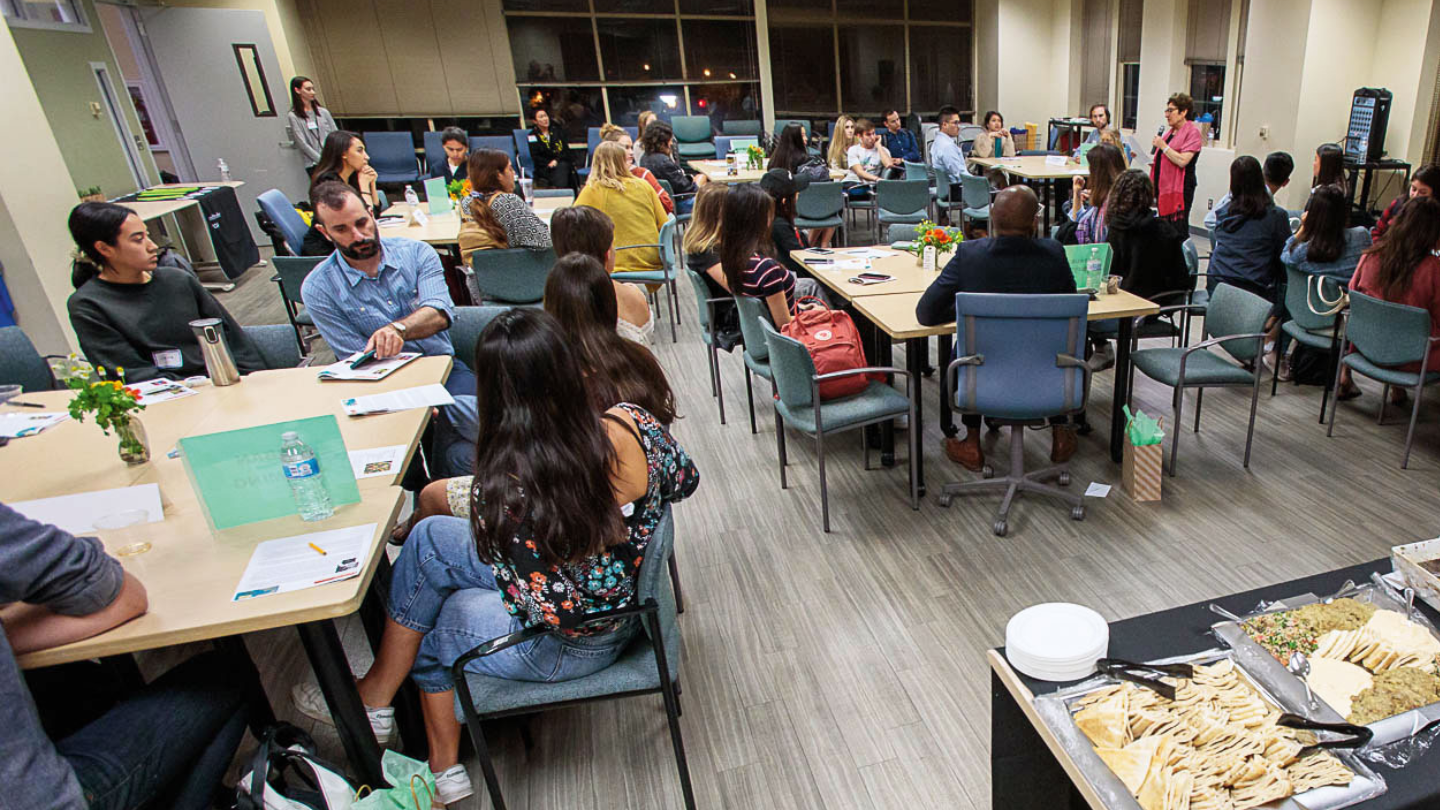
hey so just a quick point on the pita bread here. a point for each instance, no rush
(1338, 682)
(1131, 764)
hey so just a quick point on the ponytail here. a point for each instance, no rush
(92, 222)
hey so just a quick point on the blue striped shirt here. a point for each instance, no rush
(349, 306)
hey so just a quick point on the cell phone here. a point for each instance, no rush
(865, 280)
(876, 276)
(822, 251)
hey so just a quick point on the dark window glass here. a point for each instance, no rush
(802, 60)
(1207, 88)
(726, 49)
(1130, 98)
(639, 50)
(872, 68)
(725, 102)
(548, 5)
(626, 103)
(939, 67)
(813, 8)
(743, 7)
(872, 9)
(636, 6)
(553, 49)
(572, 109)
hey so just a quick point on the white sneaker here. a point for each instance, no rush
(310, 701)
(1101, 359)
(453, 785)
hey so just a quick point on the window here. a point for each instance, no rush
(893, 10)
(1207, 45)
(626, 103)
(553, 49)
(252, 73)
(66, 15)
(802, 62)
(572, 109)
(579, 6)
(717, 50)
(741, 8)
(1129, 20)
(1207, 88)
(636, 7)
(636, 50)
(724, 102)
(939, 68)
(1130, 95)
(872, 68)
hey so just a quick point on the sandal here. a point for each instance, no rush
(1345, 394)
(1398, 396)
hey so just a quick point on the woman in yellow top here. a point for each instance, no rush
(630, 202)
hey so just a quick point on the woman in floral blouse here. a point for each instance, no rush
(562, 510)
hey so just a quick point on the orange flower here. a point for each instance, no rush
(937, 233)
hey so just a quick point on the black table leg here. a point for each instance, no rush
(1048, 188)
(261, 713)
(332, 670)
(917, 352)
(885, 356)
(1024, 775)
(947, 400)
(1122, 388)
(408, 718)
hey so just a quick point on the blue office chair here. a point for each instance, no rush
(742, 129)
(1020, 361)
(693, 136)
(1386, 336)
(821, 205)
(277, 349)
(592, 141)
(649, 665)
(283, 215)
(504, 143)
(665, 276)
(722, 145)
(290, 273)
(392, 155)
(434, 150)
(510, 276)
(799, 405)
(521, 138)
(465, 329)
(903, 202)
(21, 364)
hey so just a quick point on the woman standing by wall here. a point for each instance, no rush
(1177, 147)
(309, 122)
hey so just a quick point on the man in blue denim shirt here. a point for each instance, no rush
(167, 745)
(389, 295)
(900, 142)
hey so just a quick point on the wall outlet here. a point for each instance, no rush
(95, 109)
(1264, 130)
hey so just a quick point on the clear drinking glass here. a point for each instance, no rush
(9, 392)
(124, 532)
(525, 186)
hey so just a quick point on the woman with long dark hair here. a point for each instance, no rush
(658, 142)
(585, 229)
(1329, 167)
(1325, 245)
(131, 314)
(1402, 268)
(554, 168)
(790, 150)
(343, 159)
(1088, 195)
(1254, 232)
(309, 122)
(495, 216)
(1424, 184)
(563, 506)
(745, 245)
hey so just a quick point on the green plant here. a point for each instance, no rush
(88, 192)
(108, 399)
(754, 157)
(928, 234)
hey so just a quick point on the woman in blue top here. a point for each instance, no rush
(1254, 233)
(1324, 245)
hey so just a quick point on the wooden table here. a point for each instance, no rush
(190, 572)
(909, 277)
(190, 225)
(1038, 169)
(717, 171)
(443, 230)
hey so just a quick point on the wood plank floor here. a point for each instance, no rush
(846, 670)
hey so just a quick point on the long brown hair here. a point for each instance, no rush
(1106, 165)
(332, 156)
(706, 217)
(540, 462)
(1327, 214)
(581, 296)
(483, 168)
(748, 214)
(582, 229)
(1412, 237)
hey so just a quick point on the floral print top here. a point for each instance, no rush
(563, 596)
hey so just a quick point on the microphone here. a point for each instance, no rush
(1160, 130)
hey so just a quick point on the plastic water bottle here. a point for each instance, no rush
(224, 170)
(302, 470)
(411, 197)
(1094, 272)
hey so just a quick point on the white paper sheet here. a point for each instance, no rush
(861, 253)
(77, 513)
(304, 561)
(374, 370)
(422, 396)
(19, 424)
(1096, 490)
(1055, 160)
(154, 392)
(377, 460)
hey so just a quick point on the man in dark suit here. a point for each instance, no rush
(1010, 261)
(457, 149)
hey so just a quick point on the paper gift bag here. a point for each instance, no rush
(1142, 470)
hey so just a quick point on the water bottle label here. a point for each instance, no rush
(302, 469)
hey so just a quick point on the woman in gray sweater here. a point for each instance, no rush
(309, 122)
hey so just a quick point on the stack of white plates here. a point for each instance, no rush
(1056, 641)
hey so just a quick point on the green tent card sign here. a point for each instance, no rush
(238, 476)
(437, 195)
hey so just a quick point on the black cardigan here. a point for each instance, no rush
(1148, 255)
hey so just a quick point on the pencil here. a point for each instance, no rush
(317, 548)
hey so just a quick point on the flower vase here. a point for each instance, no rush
(134, 444)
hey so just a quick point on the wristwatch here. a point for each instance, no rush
(398, 327)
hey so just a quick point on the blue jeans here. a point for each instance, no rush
(167, 745)
(683, 205)
(440, 588)
(455, 435)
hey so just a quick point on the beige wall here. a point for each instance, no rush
(287, 33)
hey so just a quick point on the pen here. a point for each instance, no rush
(24, 404)
(317, 548)
(363, 359)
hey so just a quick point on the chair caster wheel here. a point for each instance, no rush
(1064, 479)
(987, 471)
(1077, 513)
(1000, 528)
(944, 500)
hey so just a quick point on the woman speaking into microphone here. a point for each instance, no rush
(1177, 147)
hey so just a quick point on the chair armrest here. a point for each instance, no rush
(495, 645)
(950, 370)
(1215, 340)
(849, 372)
(306, 362)
(275, 278)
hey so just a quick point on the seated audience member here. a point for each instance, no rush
(659, 143)
(1329, 166)
(582, 229)
(1089, 195)
(995, 141)
(783, 188)
(167, 744)
(867, 161)
(1277, 170)
(612, 133)
(1100, 119)
(748, 218)
(1324, 245)
(1113, 137)
(702, 238)
(630, 203)
(130, 314)
(1402, 268)
(945, 150)
(842, 137)
(564, 495)
(792, 155)
(1250, 231)
(898, 140)
(457, 148)
(498, 218)
(554, 167)
(1423, 184)
(638, 149)
(1010, 261)
(388, 295)
(342, 159)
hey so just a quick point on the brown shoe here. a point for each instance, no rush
(966, 453)
(1062, 444)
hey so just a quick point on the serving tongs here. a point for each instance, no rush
(1358, 736)
(1146, 675)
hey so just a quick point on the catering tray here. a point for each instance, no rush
(1054, 710)
(1407, 561)
(1279, 681)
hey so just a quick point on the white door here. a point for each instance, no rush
(220, 74)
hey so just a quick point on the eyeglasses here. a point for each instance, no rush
(1171, 110)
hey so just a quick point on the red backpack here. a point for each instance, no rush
(834, 345)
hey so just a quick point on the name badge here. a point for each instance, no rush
(312, 124)
(628, 509)
(168, 358)
(532, 139)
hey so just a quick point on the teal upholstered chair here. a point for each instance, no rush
(799, 406)
(1387, 336)
(1198, 296)
(1305, 297)
(276, 345)
(975, 198)
(899, 233)
(757, 352)
(465, 329)
(944, 199)
(781, 123)
(705, 304)
(290, 273)
(693, 136)
(742, 129)
(665, 276)
(1019, 363)
(904, 202)
(21, 364)
(649, 665)
(514, 276)
(1236, 323)
(821, 205)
